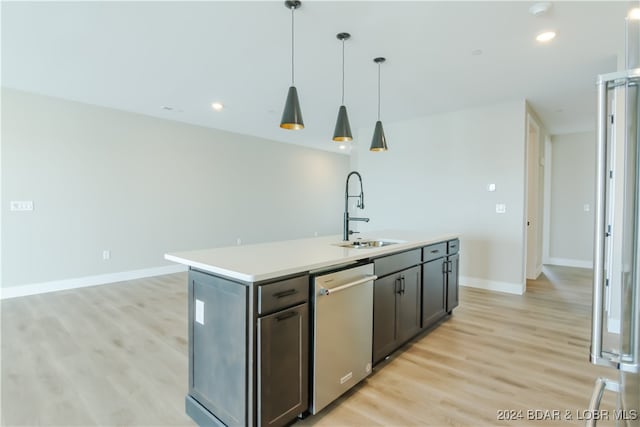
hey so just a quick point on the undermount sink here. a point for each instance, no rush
(363, 244)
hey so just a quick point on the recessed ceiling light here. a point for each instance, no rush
(217, 106)
(634, 14)
(476, 52)
(547, 36)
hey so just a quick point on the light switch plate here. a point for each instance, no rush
(501, 208)
(21, 205)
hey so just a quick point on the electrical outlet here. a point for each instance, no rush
(21, 205)
(199, 312)
(238, 241)
(587, 207)
(501, 208)
(106, 255)
(491, 187)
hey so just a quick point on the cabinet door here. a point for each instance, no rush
(453, 274)
(434, 299)
(409, 304)
(283, 354)
(384, 316)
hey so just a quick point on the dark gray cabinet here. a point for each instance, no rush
(434, 297)
(384, 317)
(248, 351)
(408, 304)
(440, 280)
(453, 275)
(396, 306)
(283, 368)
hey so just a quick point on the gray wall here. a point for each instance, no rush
(572, 187)
(435, 175)
(140, 187)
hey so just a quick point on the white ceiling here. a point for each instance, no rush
(140, 56)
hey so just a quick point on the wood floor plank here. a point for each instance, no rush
(117, 355)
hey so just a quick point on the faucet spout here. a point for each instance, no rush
(346, 219)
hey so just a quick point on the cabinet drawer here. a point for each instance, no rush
(434, 251)
(279, 295)
(453, 246)
(392, 263)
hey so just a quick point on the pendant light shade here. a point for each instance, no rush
(379, 141)
(342, 132)
(292, 114)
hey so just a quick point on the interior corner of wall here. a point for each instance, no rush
(493, 285)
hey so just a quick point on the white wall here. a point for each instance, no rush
(434, 178)
(572, 187)
(141, 186)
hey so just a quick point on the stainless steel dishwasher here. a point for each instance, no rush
(342, 332)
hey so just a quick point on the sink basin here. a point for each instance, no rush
(363, 244)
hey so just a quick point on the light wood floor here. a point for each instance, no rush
(117, 355)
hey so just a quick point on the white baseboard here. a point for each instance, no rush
(81, 282)
(569, 262)
(492, 285)
(537, 273)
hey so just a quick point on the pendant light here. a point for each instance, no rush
(342, 132)
(292, 115)
(379, 141)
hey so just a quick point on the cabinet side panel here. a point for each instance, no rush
(219, 354)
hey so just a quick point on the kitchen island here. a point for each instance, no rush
(253, 311)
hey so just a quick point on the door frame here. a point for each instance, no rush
(546, 208)
(530, 123)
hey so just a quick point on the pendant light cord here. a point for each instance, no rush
(342, 71)
(378, 91)
(292, 46)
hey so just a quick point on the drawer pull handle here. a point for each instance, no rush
(286, 316)
(366, 279)
(435, 251)
(453, 246)
(285, 293)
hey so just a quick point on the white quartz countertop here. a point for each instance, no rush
(259, 262)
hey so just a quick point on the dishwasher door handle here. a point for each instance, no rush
(325, 291)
